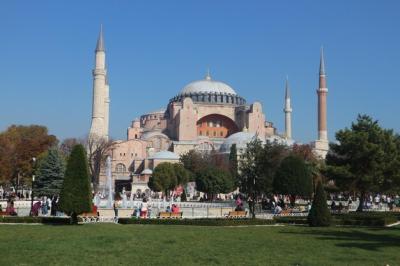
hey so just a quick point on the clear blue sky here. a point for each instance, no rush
(154, 48)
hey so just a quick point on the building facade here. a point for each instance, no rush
(205, 115)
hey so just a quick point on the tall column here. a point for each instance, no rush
(321, 145)
(322, 93)
(97, 128)
(288, 112)
(106, 109)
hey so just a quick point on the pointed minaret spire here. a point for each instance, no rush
(322, 63)
(208, 76)
(288, 111)
(287, 90)
(100, 40)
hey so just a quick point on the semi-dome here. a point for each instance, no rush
(164, 155)
(240, 139)
(147, 171)
(207, 85)
(150, 134)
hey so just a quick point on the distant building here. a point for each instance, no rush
(205, 115)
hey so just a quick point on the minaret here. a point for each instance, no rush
(106, 108)
(322, 143)
(288, 112)
(98, 129)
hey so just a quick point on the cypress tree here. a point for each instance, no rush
(50, 174)
(319, 214)
(75, 195)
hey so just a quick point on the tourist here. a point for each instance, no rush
(175, 208)
(10, 210)
(45, 206)
(333, 206)
(136, 212)
(115, 207)
(239, 207)
(143, 208)
(278, 209)
(53, 210)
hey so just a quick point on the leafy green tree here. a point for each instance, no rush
(271, 157)
(194, 161)
(257, 167)
(164, 178)
(250, 172)
(75, 197)
(182, 175)
(314, 164)
(293, 178)
(213, 180)
(365, 159)
(50, 174)
(319, 214)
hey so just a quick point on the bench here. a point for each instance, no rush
(396, 209)
(170, 215)
(89, 217)
(237, 214)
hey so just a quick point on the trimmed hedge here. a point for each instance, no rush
(366, 218)
(376, 219)
(198, 222)
(291, 219)
(39, 220)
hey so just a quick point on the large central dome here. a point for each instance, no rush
(207, 85)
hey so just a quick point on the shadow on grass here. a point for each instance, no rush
(372, 239)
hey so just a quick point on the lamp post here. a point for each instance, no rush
(33, 181)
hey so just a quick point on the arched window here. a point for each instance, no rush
(120, 168)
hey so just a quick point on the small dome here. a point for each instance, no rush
(164, 155)
(146, 171)
(240, 139)
(207, 85)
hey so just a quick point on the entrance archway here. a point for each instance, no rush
(216, 126)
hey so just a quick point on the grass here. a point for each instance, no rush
(110, 244)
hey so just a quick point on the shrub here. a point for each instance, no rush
(319, 214)
(291, 219)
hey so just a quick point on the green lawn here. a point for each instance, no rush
(109, 244)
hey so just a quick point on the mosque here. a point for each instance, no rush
(205, 115)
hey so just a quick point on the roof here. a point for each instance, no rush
(207, 85)
(158, 111)
(164, 155)
(146, 171)
(149, 134)
(240, 139)
(100, 41)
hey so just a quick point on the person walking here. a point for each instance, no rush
(115, 207)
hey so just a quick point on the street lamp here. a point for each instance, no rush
(33, 181)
